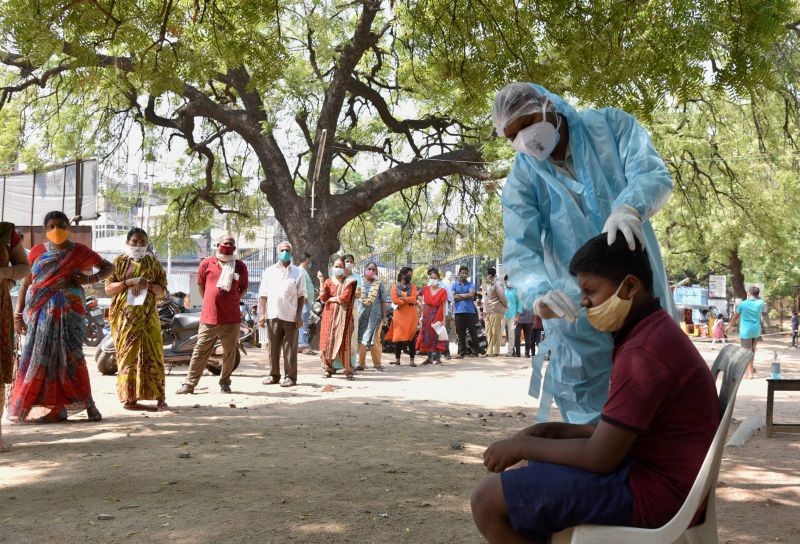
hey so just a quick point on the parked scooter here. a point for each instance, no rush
(179, 335)
(94, 322)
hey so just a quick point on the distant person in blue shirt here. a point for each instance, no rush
(465, 311)
(748, 315)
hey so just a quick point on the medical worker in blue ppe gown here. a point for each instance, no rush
(576, 174)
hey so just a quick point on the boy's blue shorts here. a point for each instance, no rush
(544, 498)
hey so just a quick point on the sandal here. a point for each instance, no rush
(162, 406)
(131, 405)
(426, 362)
(327, 374)
(350, 377)
(397, 362)
(93, 414)
(412, 363)
(54, 416)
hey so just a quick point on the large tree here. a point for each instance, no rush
(400, 89)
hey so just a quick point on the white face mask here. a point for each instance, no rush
(136, 252)
(350, 266)
(539, 139)
(433, 283)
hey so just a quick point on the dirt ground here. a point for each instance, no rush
(391, 457)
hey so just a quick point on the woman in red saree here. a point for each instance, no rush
(434, 300)
(13, 266)
(337, 294)
(52, 371)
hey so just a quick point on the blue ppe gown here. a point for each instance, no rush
(548, 215)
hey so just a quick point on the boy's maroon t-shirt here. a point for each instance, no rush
(662, 389)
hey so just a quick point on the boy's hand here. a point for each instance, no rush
(502, 454)
(545, 430)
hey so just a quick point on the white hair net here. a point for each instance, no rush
(515, 100)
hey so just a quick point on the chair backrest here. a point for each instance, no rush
(731, 361)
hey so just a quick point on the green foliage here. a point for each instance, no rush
(729, 195)
(626, 54)
(187, 215)
(413, 222)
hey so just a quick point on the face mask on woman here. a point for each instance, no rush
(350, 266)
(338, 271)
(58, 235)
(136, 252)
(369, 274)
(432, 282)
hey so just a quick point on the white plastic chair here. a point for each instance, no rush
(731, 361)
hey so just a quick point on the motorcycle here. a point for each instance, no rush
(179, 333)
(94, 323)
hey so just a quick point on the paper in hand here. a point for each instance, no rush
(441, 331)
(136, 300)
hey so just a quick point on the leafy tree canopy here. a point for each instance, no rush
(401, 90)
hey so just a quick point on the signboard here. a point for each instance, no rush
(26, 197)
(717, 286)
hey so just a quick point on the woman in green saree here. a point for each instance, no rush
(137, 281)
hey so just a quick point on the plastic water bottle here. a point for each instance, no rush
(776, 366)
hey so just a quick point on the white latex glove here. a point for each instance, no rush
(559, 303)
(626, 220)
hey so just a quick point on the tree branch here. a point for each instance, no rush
(359, 199)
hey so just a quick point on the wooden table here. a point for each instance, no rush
(780, 385)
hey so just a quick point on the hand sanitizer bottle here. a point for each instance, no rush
(776, 366)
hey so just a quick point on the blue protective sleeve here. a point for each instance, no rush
(649, 181)
(522, 224)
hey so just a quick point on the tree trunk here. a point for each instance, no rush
(737, 276)
(318, 236)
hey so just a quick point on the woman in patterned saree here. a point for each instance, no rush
(372, 313)
(434, 300)
(52, 372)
(136, 328)
(337, 294)
(13, 266)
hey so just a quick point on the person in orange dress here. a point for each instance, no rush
(404, 319)
(337, 293)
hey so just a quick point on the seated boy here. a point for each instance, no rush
(637, 464)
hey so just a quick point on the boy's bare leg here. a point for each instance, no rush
(490, 515)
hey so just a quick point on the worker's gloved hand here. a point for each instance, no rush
(555, 304)
(627, 221)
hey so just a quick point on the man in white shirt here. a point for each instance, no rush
(280, 306)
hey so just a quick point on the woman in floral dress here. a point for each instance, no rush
(51, 310)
